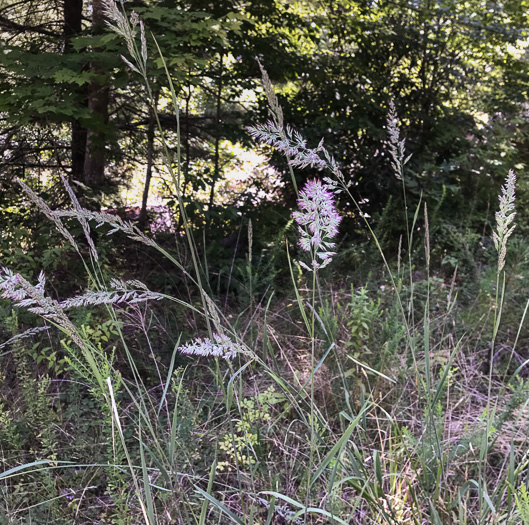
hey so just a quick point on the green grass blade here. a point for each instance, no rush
(169, 374)
(271, 510)
(298, 297)
(338, 447)
(363, 365)
(146, 483)
(203, 510)
(227, 512)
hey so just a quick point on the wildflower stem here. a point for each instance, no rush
(312, 411)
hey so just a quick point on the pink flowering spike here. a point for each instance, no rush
(317, 221)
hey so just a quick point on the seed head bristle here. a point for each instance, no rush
(504, 218)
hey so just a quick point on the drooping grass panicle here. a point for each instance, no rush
(116, 223)
(82, 220)
(44, 208)
(318, 222)
(124, 292)
(220, 346)
(290, 142)
(504, 218)
(32, 297)
(84, 216)
(28, 333)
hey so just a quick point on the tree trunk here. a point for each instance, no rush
(73, 16)
(216, 172)
(98, 100)
(150, 156)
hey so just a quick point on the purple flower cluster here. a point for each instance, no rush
(317, 221)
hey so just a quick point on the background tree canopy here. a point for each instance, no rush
(456, 72)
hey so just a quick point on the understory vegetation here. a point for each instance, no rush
(337, 362)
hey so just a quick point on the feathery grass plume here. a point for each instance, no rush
(292, 144)
(101, 218)
(129, 292)
(32, 297)
(83, 216)
(273, 103)
(317, 222)
(396, 145)
(289, 141)
(44, 208)
(118, 23)
(504, 218)
(113, 14)
(28, 333)
(221, 346)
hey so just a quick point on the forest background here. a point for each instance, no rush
(75, 104)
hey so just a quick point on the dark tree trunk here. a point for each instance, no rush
(150, 157)
(216, 168)
(98, 100)
(73, 16)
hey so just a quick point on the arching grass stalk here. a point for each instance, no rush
(318, 223)
(291, 143)
(126, 28)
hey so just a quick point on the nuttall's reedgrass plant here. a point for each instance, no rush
(318, 223)
(504, 218)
